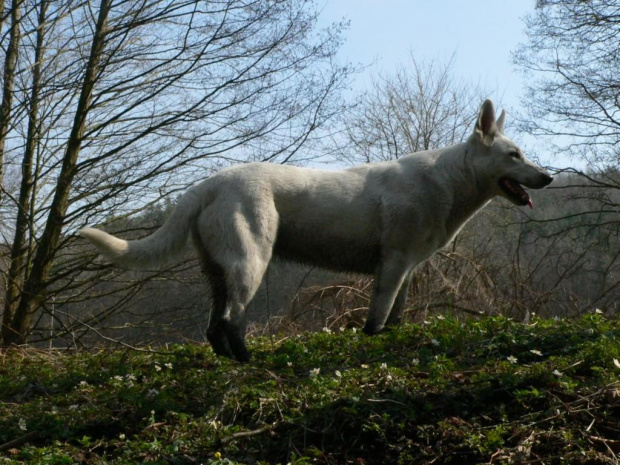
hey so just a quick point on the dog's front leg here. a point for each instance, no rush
(388, 281)
(398, 309)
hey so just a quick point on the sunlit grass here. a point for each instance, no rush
(476, 391)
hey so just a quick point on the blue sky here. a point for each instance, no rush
(481, 34)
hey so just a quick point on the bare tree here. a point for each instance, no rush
(8, 78)
(572, 60)
(573, 101)
(127, 102)
(421, 106)
(24, 222)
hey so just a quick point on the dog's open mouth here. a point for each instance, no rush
(515, 192)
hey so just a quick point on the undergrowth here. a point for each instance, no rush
(485, 391)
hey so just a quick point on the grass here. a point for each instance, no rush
(485, 391)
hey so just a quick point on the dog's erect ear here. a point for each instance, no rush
(500, 122)
(486, 127)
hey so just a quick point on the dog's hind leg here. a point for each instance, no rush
(219, 296)
(244, 278)
(241, 244)
(216, 332)
(388, 282)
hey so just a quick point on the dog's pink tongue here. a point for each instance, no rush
(530, 203)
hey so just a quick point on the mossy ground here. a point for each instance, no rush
(482, 391)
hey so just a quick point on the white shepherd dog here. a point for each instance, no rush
(382, 219)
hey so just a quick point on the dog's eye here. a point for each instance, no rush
(514, 154)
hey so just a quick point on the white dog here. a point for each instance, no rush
(382, 219)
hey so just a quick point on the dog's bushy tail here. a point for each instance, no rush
(163, 244)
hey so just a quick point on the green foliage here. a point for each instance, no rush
(445, 391)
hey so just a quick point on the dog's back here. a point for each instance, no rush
(331, 219)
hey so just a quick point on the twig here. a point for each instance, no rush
(121, 343)
(381, 401)
(19, 441)
(248, 434)
(448, 304)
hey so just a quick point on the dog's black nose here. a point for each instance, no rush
(547, 179)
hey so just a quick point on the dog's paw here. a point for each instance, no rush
(372, 330)
(243, 357)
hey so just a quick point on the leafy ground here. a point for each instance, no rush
(487, 391)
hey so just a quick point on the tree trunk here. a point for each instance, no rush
(136, 103)
(33, 292)
(10, 63)
(21, 250)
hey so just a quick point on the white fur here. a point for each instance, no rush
(382, 219)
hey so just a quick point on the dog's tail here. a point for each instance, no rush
(155, 249)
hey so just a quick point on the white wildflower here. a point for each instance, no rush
(435, 342)
(314, 372)
(536, 352)
(616, 362)
(121, 437)
(157, 367)
(384, 366)
(557, 372)
(327, 330)
(338, 374)
(512, 359)
(168, 365)
(598, 311)
(415, 361)
(22, 424)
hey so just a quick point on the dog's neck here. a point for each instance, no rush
(469, 195)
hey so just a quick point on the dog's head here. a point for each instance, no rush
(501, 162)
